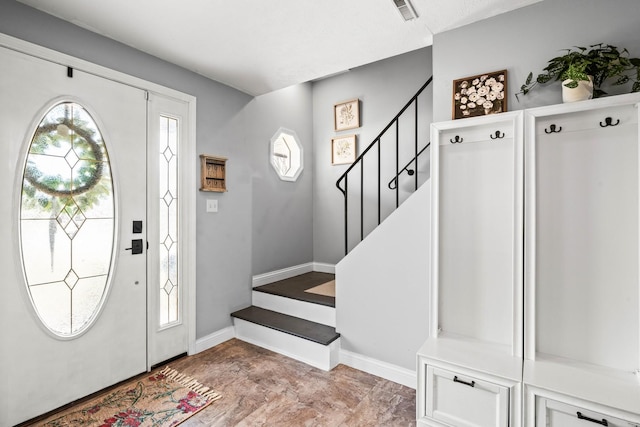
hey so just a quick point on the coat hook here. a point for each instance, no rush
(609, 122)
(456, 140)
(552, 129)
(498, 136)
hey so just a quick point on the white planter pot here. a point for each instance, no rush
(583, 92)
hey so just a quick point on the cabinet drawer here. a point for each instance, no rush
(464, 401)
(551, 413)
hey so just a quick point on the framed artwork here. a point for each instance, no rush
(346, 115)
(343, 150)
(480, 95)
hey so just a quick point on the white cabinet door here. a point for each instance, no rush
(463, 401)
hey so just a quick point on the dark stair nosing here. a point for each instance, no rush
(295, 287)
(306, 297)
(301, 328)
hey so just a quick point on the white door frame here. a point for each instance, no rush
(166, 341)
(187, 160)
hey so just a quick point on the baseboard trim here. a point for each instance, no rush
(285, 273)
(296, 270)
(214, 339)
(367, 364)
(324, 268)
(379, 368)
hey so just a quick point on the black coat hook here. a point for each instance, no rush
(498, 136)
(609, 122)
(552, 129)
(456, 140)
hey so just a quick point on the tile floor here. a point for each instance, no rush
(262, 388)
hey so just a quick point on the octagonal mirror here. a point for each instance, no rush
(286, 154)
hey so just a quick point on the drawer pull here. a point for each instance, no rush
(456, 380)
(582, 417)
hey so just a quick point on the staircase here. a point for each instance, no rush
(286, 319)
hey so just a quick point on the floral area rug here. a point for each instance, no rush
(164, 398)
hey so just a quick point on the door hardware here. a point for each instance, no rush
(458, 380)
(136, 247)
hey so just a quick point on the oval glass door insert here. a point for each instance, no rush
(67, 220)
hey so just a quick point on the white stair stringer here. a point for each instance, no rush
(324, 357)
(305, 310)
(391, 267)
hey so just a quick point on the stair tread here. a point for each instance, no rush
(302, 328)
(295, 288)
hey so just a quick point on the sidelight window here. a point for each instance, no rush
(168, 220)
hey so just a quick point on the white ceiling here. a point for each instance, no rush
(258, 46)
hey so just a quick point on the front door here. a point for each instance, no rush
(72, 183)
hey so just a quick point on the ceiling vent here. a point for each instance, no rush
(406, 9)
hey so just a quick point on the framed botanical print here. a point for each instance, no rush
(343, 150)
(346, 115)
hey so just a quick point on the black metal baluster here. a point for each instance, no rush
(362, 199)
(397, 161)
(346, 215)
(379, 201)
(416, 147)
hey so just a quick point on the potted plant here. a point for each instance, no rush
(580, 67)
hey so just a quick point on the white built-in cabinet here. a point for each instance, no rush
(582, 328)
(470, 370)
(545, 330)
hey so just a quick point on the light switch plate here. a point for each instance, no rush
(212, 205)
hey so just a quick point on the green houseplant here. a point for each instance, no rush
(599, 62)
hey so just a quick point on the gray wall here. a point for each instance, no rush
(229, 124)
(382, 288)
(524, 40)
(281, 210)
(383, 88)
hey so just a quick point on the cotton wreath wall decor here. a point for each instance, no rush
(480, 95)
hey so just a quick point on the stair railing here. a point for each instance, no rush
(360, 161)
(393, 184)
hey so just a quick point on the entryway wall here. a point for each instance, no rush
(235, 125)
(224, 239)
(523, 40)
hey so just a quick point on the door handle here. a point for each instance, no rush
(604, 422)
(458, 380)
(136, 247)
